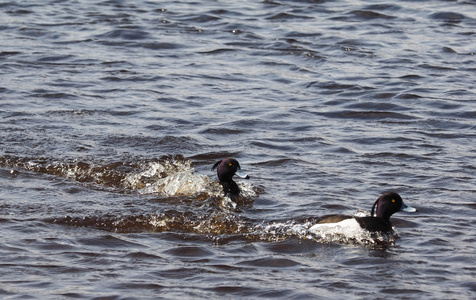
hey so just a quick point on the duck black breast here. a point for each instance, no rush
(374, 224)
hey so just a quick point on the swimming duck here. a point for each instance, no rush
(385, 206)
(226, 169)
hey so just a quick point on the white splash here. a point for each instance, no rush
(168, 178)
(246, 189)
(181, 183)
(178, 178)
(228, 203)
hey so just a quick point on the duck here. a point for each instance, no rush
(378, 221)
(226, 169)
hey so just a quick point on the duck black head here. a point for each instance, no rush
(226, 169)
(388, 204)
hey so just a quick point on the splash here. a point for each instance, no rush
(168, 176)
(177, 177)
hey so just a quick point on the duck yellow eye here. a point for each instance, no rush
(393, 200)
(230, 164)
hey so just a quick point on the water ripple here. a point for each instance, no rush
(113, 112)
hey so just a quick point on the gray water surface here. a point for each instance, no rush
(112, 114)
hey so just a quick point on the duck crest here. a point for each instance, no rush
(373, 208)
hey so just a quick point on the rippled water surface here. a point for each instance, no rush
(112, 114)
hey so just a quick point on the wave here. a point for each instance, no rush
(183, 202)
(223, 227)
(167, 176)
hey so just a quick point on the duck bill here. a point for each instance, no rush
(407, 208)
(242, 174)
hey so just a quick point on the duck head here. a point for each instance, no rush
(388, 204)
(226, 169)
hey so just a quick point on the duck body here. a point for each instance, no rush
(226, 169)
(385, 206)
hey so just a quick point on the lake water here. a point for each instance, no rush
(112, 114)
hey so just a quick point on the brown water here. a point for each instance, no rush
(112, 114)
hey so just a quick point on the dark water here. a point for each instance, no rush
(112, 114)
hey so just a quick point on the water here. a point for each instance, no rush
(112, 114)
